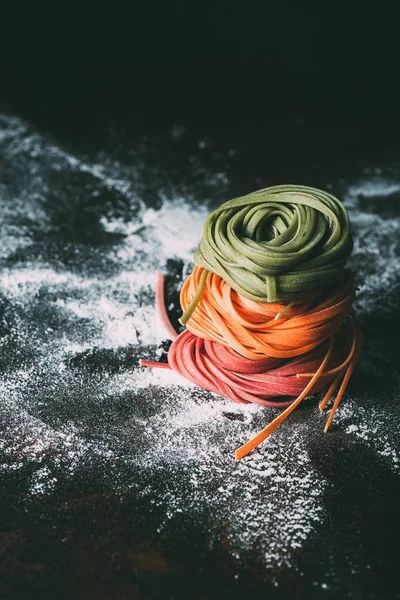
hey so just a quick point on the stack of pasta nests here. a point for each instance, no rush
(268, 306)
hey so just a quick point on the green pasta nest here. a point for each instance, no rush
(276, 244)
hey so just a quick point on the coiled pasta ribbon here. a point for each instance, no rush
(256, 330)
(275, 244)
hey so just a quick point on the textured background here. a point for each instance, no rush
(121, 483)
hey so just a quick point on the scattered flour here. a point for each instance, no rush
(172, 231)
(374, 427)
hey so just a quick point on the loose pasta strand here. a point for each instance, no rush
(196, 298)
(160, 303)
(346, 378)
(266, 432)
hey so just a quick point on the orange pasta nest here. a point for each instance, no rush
(256, 330)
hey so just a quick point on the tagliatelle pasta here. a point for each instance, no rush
(268, 308)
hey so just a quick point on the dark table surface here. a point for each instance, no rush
(120, 483)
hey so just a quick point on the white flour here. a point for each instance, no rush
(268, 503)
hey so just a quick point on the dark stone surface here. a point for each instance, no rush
(87, 540)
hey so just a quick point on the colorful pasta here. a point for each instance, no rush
(268, 306)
